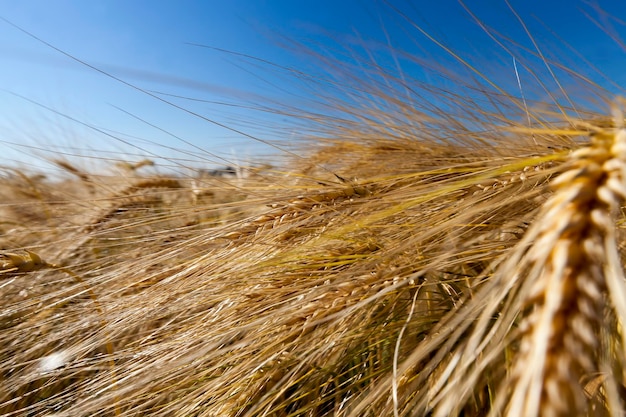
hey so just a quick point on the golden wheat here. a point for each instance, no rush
(350, 255)
(413, 262)
(575, 254)
(15, 263)
(556, 283)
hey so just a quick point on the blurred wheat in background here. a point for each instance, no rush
(407, 257)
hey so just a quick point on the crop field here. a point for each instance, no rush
(405, 257)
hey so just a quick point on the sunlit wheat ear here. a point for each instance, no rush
(576, 261)
(12, 263)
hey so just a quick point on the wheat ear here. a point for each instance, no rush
(574, 255)
(550, 295)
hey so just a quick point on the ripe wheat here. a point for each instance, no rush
(575, 258)
(415, 261)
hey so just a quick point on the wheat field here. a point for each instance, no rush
(404, 258)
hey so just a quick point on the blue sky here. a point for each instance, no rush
(150, 44)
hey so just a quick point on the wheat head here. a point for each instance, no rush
(573, 251)
(546, 306)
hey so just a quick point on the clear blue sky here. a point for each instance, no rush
(147, 43)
